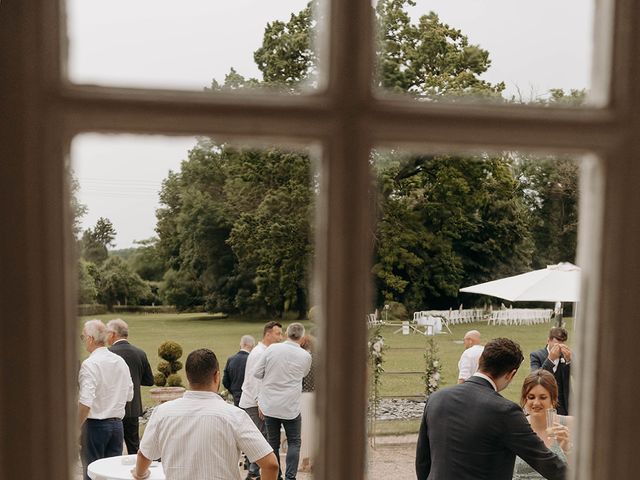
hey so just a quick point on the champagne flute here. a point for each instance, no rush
(552, 418)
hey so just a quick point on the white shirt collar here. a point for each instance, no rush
(120, 340)
(487, 378)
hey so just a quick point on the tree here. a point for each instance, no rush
(119, 284)
(550, 188)
(87, 291)
(147, 261)
(96, 241)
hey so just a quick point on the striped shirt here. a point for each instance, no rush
(200, 436)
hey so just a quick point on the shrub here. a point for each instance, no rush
(164, 368)
(397, 311)
(91, 309)
(174, 380)
(168, 367)
(143, 309)
(170, 351)
(159, 379)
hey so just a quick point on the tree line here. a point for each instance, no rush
(235, 226)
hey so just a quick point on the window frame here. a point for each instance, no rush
(42, 112)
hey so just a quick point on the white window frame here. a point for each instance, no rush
(40, 113)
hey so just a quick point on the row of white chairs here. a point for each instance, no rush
(520, 316)
(453, 317)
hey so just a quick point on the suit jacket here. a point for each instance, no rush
(140, 370)
(471, 432)
(540, 359)
(234, 374)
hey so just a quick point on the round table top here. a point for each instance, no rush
(119, 468)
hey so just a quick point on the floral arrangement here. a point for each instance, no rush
(433, 368)
(376, 350)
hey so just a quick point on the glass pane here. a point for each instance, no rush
(191, 45)
(202, 244)
(496, 51)
(450, 221)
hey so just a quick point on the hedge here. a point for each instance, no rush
(91, 309)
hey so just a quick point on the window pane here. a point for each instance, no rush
(192, 45)
(449, 221)
(201, 243)
(497, 51)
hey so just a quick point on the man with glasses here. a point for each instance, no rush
(105, 388)
(141, 374)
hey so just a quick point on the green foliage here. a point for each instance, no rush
(78, 210)
(376, 349)
(433, 368)
(445, 221)
(87, 290)
(164, 368)
(397, 312)
(147, 260)
(96, 241)
(159, 379)
(118, 284)
(174, 380)
(92, 309)
(234, 227)
(170, 351)
(428, 59)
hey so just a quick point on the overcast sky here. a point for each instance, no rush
(534, 46)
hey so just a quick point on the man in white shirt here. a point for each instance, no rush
(271, 333)
(468, 364)
(282, 367)
(200, 436)
(105, 388)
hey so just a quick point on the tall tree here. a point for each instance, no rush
(95, 241)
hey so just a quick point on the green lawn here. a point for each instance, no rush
(193, 331)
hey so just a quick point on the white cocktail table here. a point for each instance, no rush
(119, 468)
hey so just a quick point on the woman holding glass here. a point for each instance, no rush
(538, 400)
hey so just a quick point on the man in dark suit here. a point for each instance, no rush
(556, 358)
(470, 432)
(234, 369)
(141, 374)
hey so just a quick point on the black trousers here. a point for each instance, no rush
(131, 434)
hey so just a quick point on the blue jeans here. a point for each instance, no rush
(254, 469)
(292, 431)
(100, 439)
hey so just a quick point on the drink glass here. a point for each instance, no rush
(552, 417)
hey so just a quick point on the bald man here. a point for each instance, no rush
(468, 363)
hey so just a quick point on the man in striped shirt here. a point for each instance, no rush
(200, 436)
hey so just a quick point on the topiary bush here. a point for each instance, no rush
(169, 366)
(170, 351)
(159, 379)
(174, 380)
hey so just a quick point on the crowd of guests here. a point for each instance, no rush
(471, 432)
(200, 435)
(468, 431)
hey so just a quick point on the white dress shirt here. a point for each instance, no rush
(468, 364)
(251, 384)
(105, 384)
(282, 367)
(200, 436)
(487, 378)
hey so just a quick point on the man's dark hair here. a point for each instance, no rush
(559, 334)
(500, 356)
(269, 326)
(201, 366)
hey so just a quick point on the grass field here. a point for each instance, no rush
(405, 352)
